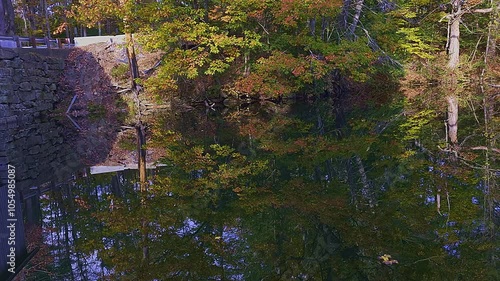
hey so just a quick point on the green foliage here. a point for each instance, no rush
(120, 71)
(250, 53)
(419, 27)
(413, 127)
(128, 142)
(331, 190)
(291, 198)
(96, 111)
(414, 44)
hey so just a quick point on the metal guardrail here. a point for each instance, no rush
(34, 42)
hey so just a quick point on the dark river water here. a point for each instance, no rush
(267, 192)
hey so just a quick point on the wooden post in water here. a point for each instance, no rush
(141, 151)
(141, 141)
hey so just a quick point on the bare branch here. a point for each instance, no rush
(265, 30)
(485, 148)
(483, 11)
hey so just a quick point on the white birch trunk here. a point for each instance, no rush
(453, 62)
(357, 15)
(454, 43)
(452, 119)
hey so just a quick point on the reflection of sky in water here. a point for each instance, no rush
(475, 201)
(231, 238)
(83, 267)
(188, 228)
(60, 238)
(452, 249)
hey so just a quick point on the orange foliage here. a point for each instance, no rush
(290, 12)
(274, 75)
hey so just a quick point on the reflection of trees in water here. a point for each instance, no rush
(278, 198)
(67, 223)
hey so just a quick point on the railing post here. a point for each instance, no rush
(47, 42)
(59, 43)
(18, 42)
(33, 42)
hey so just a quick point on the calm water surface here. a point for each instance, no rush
(245, 195)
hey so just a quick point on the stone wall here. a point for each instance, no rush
(31, 138)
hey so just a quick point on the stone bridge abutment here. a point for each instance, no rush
(30, 138)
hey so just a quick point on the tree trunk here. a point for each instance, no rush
(452, 119)
(366, 191)
(6, 18)
(351, 183)
(312, 26)
(355, 20)
(141, 142)
(141, 151)
(25, 21)
(493, 29)
(344, 16)
(67, 29)
(132, 59)
(46, 12)
(454, 43)
(453, 62)
(205, 6)
(325, 33)
(115, 186)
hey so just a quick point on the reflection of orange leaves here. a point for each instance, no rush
(51, 229)
(43, 258)
(33, 235)
(469, 156)
(82, 203)
(248, 129)
(304, 196)
(301, 143)
(387, 259)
